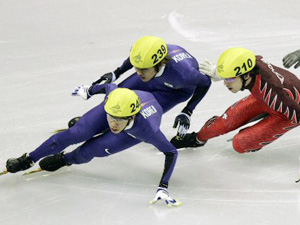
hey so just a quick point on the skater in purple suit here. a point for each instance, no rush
(125, 119)
(169, 72)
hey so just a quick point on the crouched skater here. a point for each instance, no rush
(123, 120)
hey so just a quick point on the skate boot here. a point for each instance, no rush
(14, 165)
(73, 121)
(189, 140)
(53, 162)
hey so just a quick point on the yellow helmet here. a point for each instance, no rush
(122, 102)
(235, 62)
(147, 51)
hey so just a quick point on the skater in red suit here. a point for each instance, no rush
(274, 101)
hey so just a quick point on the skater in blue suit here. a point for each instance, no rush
(125, 119)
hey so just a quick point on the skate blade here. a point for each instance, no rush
(4, 172)
(58, 131)
(33, 171)
(298, 179)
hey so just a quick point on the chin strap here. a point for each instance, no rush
(251, 83)
(129, 124)
(243, 82)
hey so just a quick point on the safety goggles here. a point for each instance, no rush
(230, 80)
(118, 119)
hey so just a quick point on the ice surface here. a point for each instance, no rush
(49, 47)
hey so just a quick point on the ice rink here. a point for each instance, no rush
(47, 48)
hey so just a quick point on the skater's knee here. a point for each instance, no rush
(78, 156)
(238, 147)
(84, 154)
(243, 145)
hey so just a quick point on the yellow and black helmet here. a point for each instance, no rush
(235, 62)
(122, 102)
(147, 52)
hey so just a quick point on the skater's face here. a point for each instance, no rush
(146, 74)
(233, 84)
(117, 125)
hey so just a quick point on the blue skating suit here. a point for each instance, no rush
(144, 128)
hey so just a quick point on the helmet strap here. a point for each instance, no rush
(160, 70)
(130, 123)
(243, 82)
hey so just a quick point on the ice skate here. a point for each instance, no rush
(188, 141)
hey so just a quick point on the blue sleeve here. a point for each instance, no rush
(162, 144)
(188, 76)
(105, 88)
(122, 69)
(203, 83)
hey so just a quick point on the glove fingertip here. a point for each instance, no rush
(178, 203)
(152, 202)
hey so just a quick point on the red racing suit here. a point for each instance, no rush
(275, 92)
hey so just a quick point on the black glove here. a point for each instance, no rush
(109, 77)
(14, 165)
(183, 119)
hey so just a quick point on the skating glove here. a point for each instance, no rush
(291, 59)
(163, 194)
(108, 77)
(82, 91)
(183, 119)
(14, 165)
(209, 69)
